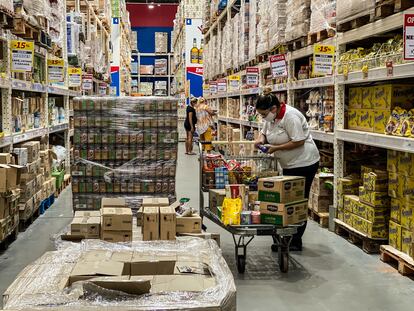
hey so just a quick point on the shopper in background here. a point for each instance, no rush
(189, 125)
(286, 135)
(205, 123)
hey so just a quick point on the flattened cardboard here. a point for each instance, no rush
(85, 270)
(116, 219)
(205, 236)
(168, 223)
(133, 286)
(152, 265)
(189, 224)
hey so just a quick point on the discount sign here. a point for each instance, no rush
(409, 36)
(234, 83)
(22, 54)
(55, 70)
(278, 66)
(252, 76)
(75, 76)
(323, 59)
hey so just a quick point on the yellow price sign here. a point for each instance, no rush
(22, 55)
(75, 71)
(323, 59)
(234, 77)
(56, 62)
(55, 70)
(234, 82)
(75, 76)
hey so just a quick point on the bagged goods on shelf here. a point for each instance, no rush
(298, 15)
(351, 9)
(7, 4)
(144, 275)
(160, 67)
(146, 88)
(277, 23)
(323, 16)
(262, 39)
(161, 42)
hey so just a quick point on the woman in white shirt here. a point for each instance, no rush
(286, 135)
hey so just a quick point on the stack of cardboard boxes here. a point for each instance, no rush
(282, 200)
(9, 195)
(116, 220)
(158, 220)
(36, 183)
(321, 194)
(369, 211)
(400, 167)
(370, 107)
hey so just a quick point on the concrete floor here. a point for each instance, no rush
(330, 274)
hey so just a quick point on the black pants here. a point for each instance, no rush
(309, 173)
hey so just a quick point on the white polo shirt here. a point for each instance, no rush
(292, 127)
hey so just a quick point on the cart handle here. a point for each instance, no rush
(226, 142)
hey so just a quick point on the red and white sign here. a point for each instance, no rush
(278, 66)
(222, 85)
(195, 70)
(213, 87)
(252, 77)
(409, 36)
(87, 82)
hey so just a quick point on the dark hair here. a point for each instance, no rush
(267, 100)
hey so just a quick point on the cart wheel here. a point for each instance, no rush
(283, 261)
(241, 263)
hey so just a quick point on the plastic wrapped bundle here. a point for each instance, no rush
(56, 28)
(323, 16)
(298, 15)
(253, 28)
(263, 26)
(7, 5)
(351, 9)
(161, 42)
(189, 274)
(123, 146)
(277, 24)
(235, 38)
(37, 7)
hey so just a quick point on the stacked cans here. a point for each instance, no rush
(123, 146)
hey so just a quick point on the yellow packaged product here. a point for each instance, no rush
(394, 122)
(405, 186)
(376, 181)
(367, 97)
(365, 120)
(392, 161)
(393, 180)
(406, 241)
(395, 211)
(359, 223)
(395, 235)
(348, 185)
(350, 202)
(406, 164)
(355, 97)
(407, 220)
(231, 211)
(353, 119)
(377, 230)
(348, 218)
(387, 96)
(377, 214)
(340, 215)
(380, 120)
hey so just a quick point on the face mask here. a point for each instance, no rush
(270, 117)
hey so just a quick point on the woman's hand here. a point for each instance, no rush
(272, 148)
(260, 141)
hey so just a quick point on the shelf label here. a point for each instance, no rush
(278, 66)
(323, 59)
(252, 76)
(206, 89)
(234, 83)
(102, 88)
(222, 85)
(55, 70)
(408, 36)
(87, 82)
(22, 55)
(213, 87)
(75, 77)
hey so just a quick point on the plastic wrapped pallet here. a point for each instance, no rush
(277, 23)
(92, 275)
(161, 66)
(253, 19)
(56, 28)
(37, 7)
(161, 42)
(323, 15)
(263, 26)
(123, 146)
(351, 9)
(298, 19)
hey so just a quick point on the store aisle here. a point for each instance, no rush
(330, 274)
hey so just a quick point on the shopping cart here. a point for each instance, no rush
(245, 168)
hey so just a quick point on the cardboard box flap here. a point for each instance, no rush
(174, 283)
(132, 286)
(122, 256)
(152, 265)
(98, 268)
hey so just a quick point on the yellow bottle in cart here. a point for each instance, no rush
(200, 52)
(194, 52)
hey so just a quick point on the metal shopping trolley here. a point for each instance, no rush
(245, 168)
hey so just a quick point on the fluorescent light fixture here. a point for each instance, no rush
(150, 6)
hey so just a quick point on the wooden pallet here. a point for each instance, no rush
(386, 8)
(320, 35)
(403, 262)
(6, 18)
(297, 44)
(321, 218)
(368, 245)
(355, 23)
(4, 245)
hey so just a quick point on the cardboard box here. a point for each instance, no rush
(150, 223)
(89, 227)
(359, 223)
(189, 224)
(388, 96)
(395, 235)
(81, 214)
(155, 202)
(374, 198)
(216, 197)
(353, 118)
(348, 218)
(406, 164)
(321, 203)
(116, 219)
(406, 241)
(407, 216)
(393, 182)
(340, 215)
(33, 148)
(376, 181)
(355, 97)
(380, 121)
(5, 158)
(395, 211)
(9, 177)
(377, 230)
(392, 161)
(26, 209)
(348, 185)
(113, 202)
(319, 185)
(117, 236)
(281, 189)
(85, 270)
(168, 223)
(365, 120)
(21, 155)
(367, 97)
(351, 203)
(143, 264)
(375, 214)
(283, 214)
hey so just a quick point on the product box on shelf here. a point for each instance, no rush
(407, 215)
(355, 98)
(392, 161)
(395, 214)
(284, 214)
(395, 235)
(380, 120)
(281, 189)
(351, 203)
(406, 163)
(161, 42)
(322, 185)
(189, 224)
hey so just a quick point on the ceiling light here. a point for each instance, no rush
(150, 6)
